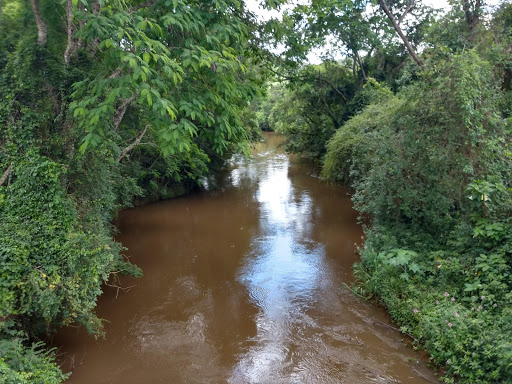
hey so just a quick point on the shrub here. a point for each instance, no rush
(431, 167)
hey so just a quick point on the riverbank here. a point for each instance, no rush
(438, 250)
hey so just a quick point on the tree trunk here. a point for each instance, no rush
(42, 27)
(507, 79)
(472, 15)
(398, 30)
(70, 48)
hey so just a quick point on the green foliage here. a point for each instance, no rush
(421, 148)
(456, 306)
(431, 167)
(355, 138)
(142, 100)
(195, 89)
(20, 365)
(52, 268)
(311, 107)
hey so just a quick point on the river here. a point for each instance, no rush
(243, 283)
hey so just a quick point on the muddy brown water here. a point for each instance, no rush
(243, 284)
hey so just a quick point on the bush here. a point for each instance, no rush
(22, 365)
(432, 168)
(53, 269)
(356, 139)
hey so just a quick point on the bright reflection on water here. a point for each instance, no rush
(281, 273)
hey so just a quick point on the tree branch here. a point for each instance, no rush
(327, 107)
(96, 7)
(6, 175)
(334, 88)
(125, 151)
(93, 45)
(42, 27)
(360, 62)
(398, 30)
(116, 73)
(147, 4)
(118, 116)
(406, 12)
(331, 113)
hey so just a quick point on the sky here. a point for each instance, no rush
(253, 5)
(314, 56)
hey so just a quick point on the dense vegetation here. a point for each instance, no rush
(105, 102)
(102, 102)
(424, 140)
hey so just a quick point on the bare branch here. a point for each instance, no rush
(6, 175)
(133, 145)
(119, 288)
(118, 116)
(398, 30)
(406, 12)
(42, 27)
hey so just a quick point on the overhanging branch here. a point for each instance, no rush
(334, 88)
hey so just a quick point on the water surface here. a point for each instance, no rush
(243, 284)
